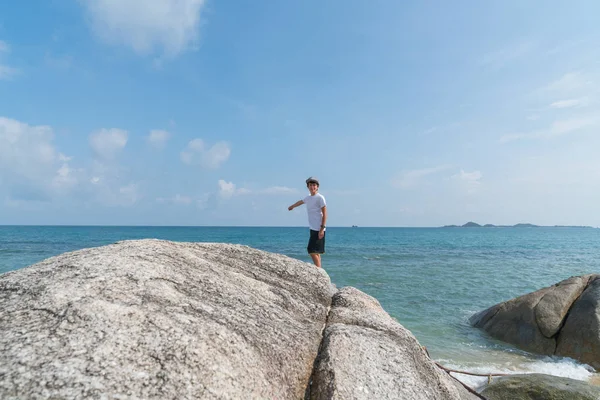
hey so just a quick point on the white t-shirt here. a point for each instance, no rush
(313, 209)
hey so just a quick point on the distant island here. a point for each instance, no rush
(471, 224)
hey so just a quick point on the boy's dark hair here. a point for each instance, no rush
(312, 180)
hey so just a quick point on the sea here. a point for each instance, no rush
(431, 280)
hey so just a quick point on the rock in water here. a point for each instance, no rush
(539, 387)
(563, 319)
(154, 319)
(580, 336)
(368, 355)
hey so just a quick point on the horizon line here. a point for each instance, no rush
(286, 226)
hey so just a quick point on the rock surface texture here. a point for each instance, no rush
(367, 355)
(540, 387)
(153, 319)
(562, 320)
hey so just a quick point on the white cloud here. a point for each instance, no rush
(216, 155)
(157, 138)
(470, 180)
(581, 102)
(145, 26)
(570, 92)
(4, 47)
(472, 177)
(196, 154)
(558, 128)
(65, 176)
(26, 149)
(109, 180)
(32, 169)
(226, 189)
(412, 178)
(109, 185)
(30, 165)
(229, 189)
(196, 145)
(107, 143)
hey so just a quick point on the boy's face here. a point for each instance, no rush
(313, 188)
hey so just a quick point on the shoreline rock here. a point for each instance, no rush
(562, 320)
(539, 386)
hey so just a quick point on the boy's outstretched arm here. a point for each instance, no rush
(296, 204)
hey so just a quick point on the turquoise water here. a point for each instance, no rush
(430, 279)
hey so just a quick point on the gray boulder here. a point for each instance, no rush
(154, 319)
(559, 320)
(580, 336)
(539, 387)
(368, 355)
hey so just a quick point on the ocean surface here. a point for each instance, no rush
(430, 279)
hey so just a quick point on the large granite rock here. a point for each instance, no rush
(154, 319)
(539, 387)
(563, 319)
(367, 355)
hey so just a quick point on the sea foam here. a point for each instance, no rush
(563, 367)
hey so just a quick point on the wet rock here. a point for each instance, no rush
(540, 387)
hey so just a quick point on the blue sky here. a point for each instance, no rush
(205, 112)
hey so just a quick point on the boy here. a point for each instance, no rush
(316, 208)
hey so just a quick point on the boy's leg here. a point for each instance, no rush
(316, 259)
(315, 247)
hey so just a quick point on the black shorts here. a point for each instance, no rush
(316, 245)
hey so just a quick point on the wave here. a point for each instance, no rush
(556, 366)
